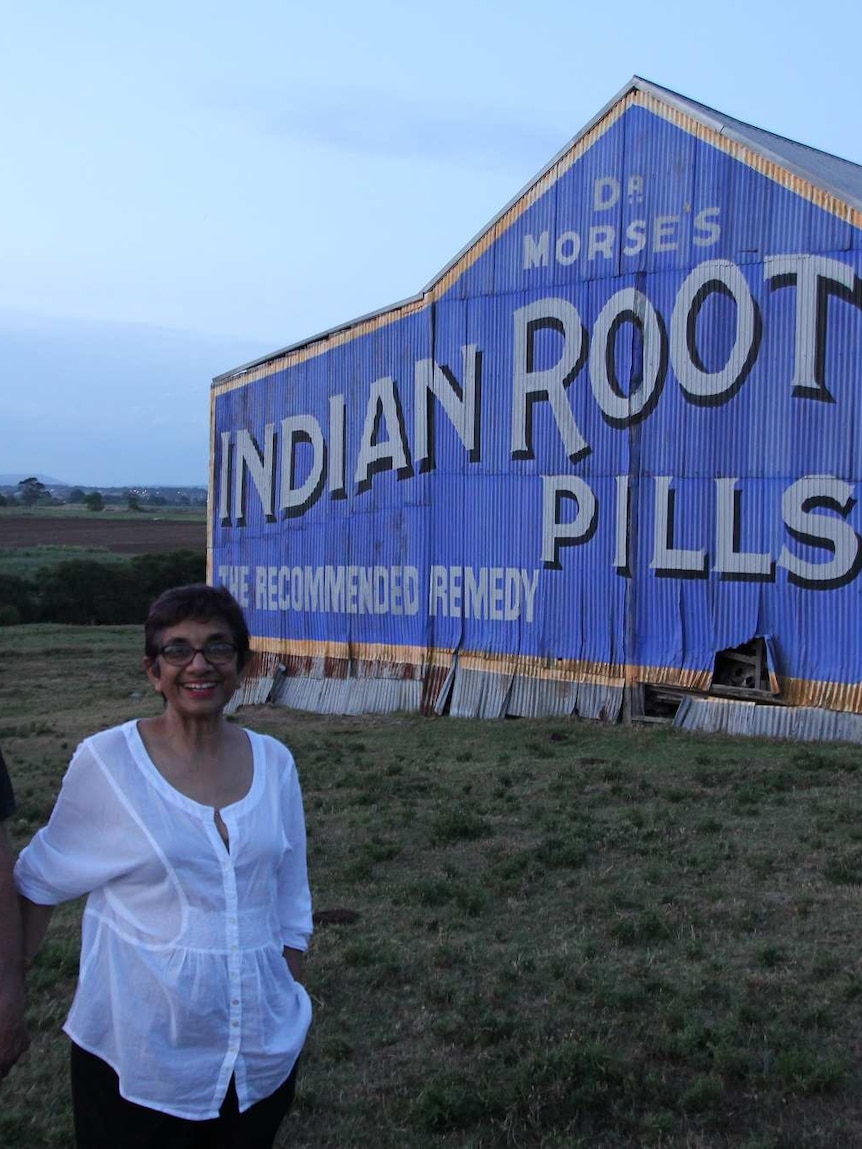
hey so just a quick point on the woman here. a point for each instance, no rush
(187, 833)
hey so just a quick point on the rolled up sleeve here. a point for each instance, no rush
(85, 843)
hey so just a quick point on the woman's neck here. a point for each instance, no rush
(209, 761)
(195, 737)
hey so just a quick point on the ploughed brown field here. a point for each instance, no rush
(125, 536)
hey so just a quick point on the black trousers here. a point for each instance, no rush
(105, 1120)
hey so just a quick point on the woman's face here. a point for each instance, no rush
(200, 688)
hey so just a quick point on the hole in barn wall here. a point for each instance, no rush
(742, 671)
(660, 703)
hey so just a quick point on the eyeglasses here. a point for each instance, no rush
(182, 653)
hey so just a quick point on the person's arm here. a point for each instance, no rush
(13, 1032)
(293, 893)
(34, 924)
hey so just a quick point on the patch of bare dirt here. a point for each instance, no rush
(125, 536)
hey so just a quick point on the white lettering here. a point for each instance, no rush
(601, 241)
(260, 467)
(799, 507)
(619, 407)
(337, 479)
(706, 227)
(636, 237)
(396, 597)
(499, 594)
(665, 233)
(300, 429)
(556, 533)
(621, 549)
(536, 251)
(668, 559)
(606, 192)
(236, 581)
(813, 275)
(530, 384)
(567, 248)
(700, 384)
(730, 560)
(333, 589)
(224, 478)
(530, 585)
(475, 593)
(377, 454)
(437, 600)
(635, 190)
(458, 401)
(495, 586)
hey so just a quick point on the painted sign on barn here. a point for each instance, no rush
(618, 436)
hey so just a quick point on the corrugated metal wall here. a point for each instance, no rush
(618, 436)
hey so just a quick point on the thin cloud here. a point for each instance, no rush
(369, 122)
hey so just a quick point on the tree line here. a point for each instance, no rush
(32, 492)
(87, 592)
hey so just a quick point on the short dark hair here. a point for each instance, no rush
(200, 602)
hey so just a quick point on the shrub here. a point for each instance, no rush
(156, 573)
(84, 591)
(19, 595)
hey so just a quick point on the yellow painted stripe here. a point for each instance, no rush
(774, 171)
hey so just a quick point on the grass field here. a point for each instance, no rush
(27, 562)
(39, 538)
(111, 511)
(551, 934)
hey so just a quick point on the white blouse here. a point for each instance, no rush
(182, 980)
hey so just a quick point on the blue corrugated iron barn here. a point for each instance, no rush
(607, 463)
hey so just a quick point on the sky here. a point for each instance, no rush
(187, 186)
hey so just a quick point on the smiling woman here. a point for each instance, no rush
(187, 834)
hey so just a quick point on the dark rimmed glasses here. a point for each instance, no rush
(216, 652)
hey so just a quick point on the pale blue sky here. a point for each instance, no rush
(249, 175)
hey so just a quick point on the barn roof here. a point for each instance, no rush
(832, 173)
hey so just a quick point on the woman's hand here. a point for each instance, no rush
(294, 962)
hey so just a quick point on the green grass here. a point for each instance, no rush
(27, 562)
(552, 934)
(113, 511)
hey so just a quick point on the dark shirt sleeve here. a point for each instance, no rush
(7, 800)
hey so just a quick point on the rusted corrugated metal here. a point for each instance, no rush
(797, 723)
(615, 437)
(257, 682)
(348, 695)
